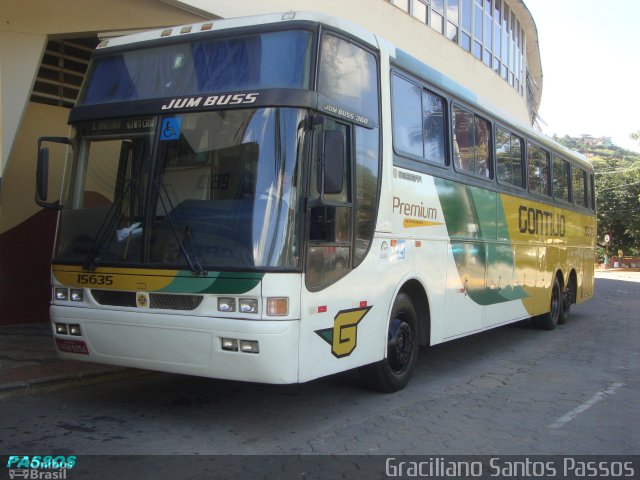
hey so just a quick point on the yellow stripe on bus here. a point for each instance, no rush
(134, 279)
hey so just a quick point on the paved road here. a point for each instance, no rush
(514, 390)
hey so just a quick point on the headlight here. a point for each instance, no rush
(249, 346)
(74, 329)
(61, 294)
(226, 304)
(248, 305)
(77, 295)
(230, 344)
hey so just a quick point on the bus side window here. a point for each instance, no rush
(509, 159)
(579, 189)
(538, 170)
(561, 179)
(471, 143)
(419, 121)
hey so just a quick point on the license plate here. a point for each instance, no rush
(72, 346)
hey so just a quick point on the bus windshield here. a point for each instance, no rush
(210, 190)
(255, 61)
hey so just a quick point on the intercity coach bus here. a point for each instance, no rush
(279, 198)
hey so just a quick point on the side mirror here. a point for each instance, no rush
(42, 172)
(334, 160)
(42, 177)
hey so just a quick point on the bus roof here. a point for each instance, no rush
(239, 22)
(400, 59)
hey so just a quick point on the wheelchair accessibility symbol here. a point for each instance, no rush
(170, 128)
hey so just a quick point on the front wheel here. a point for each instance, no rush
(393, 372)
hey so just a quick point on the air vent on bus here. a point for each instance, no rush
(163, 301)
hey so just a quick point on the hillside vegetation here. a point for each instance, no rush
(617, 184)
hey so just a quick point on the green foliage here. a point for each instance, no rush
(617, 173)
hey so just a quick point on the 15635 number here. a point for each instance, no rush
(94, 279)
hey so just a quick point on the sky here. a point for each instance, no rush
(590, 52)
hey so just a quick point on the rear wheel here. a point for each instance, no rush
(393, 372)
(568, 297)
(550, 320)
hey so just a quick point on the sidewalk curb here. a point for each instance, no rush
(51, 384)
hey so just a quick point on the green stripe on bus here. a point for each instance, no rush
(473, 216)
(226, 283)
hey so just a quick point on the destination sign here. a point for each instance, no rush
(120, 126)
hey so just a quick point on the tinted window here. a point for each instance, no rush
(366, 188)
(561, 179)
(538, 170)
(407, 117)
(433, 125)
(268, 60)
(471, 152)
(418, 121)
(509, 159)
(579, 190)
(348, 75)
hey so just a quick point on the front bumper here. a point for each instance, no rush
(184, 344)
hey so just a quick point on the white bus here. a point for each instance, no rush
(279, 198)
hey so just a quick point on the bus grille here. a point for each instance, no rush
(163, 301)
(174, 302)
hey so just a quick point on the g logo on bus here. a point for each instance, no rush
(343, 337)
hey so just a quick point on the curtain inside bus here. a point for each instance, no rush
(267, 60)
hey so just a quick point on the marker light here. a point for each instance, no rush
(249, 346)
(74, 329)
(61, 329)
(62, 294)
(248, 305)
(230, 344)
(226, 304)
(277, 306)
(77, 295)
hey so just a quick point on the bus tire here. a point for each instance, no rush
(568, 297)
(565, 308)
(550, 320)
(392, 373)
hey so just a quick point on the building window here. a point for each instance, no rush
(419, 10)
(401, 4)
(487, 29)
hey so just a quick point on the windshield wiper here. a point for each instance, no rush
(192, 258)
(109, 222)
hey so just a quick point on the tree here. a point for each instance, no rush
(617, 185)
